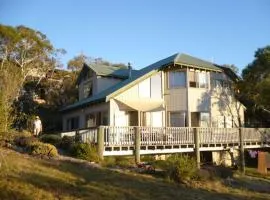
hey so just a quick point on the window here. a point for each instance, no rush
(205, 119)
(220, 83)
(177, 79)
(87, 89)
(90, 120)
(198, 79)
(177, 119)
(105, 120)
(73, 123)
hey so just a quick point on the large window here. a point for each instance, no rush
(90, 120)
(198, 79)
(87, 89)
(177, 79)
(205, 119)
(177, 119)
(73, 123)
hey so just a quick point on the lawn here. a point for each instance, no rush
(26, 177)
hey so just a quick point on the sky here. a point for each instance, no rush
(145, 31)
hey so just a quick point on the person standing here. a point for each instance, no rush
(37, 126)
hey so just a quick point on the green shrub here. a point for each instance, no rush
(118, 161)
(51, 139)
(85, 151)
(39, 148)
(181, 168)
(24, 141)
(66, 143)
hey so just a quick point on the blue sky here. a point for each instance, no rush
(142, 32)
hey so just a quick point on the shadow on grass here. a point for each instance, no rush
(104, 184)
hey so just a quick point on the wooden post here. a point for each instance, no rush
(242, 152)
(100, 140)
(137, 145)
(197, 147)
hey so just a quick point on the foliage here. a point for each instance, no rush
(76, 63)
(66, 143)
(24, 53)
(118, 161)
(26, 177)
(51, 139)
(85, 151)
(24, 141)
(180, 168)
(44, 149)
(256, 79)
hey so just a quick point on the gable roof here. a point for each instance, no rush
(180, 59)
(105, 70)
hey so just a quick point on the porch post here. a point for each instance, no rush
(242, 151)
(197, 147)
(100, 140)
(137, 145)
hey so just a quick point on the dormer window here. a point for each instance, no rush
(198, 79)
(87, 89)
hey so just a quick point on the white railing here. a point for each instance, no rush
(218, 135)
(88, 135)
(119, 135)
(125, 135)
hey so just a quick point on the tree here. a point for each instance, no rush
(24, 52)
(256, 79)
(232, 67)
(76, 63)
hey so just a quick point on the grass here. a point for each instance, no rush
(26, 177)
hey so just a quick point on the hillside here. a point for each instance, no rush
(26, 177)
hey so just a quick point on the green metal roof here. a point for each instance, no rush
(139, 75)
(195, 62)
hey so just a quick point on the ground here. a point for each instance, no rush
(26, 177)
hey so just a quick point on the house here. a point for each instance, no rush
(178, 91)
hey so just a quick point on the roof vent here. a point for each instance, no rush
(129, 70)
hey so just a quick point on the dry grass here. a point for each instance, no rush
(26, 177)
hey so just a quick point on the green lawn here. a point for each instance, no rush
(26, 177)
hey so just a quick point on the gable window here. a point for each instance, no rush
(198, 79)
(87, 89)
(177, 79)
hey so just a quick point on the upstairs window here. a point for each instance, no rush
(177, 79)
(198, 79)
(87, 89)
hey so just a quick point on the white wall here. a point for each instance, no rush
(176, 99)
(199, 100)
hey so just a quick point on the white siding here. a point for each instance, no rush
(199, 100)
(176, 99)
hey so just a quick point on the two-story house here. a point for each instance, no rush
(178, 91)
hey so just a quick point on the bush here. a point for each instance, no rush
(181, 168)
(24, 141)
(11, 136)
(66, 143)
(118, 161)
(39, 148)
(51, 139)
(85, 151)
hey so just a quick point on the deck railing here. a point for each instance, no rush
(125, 135)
